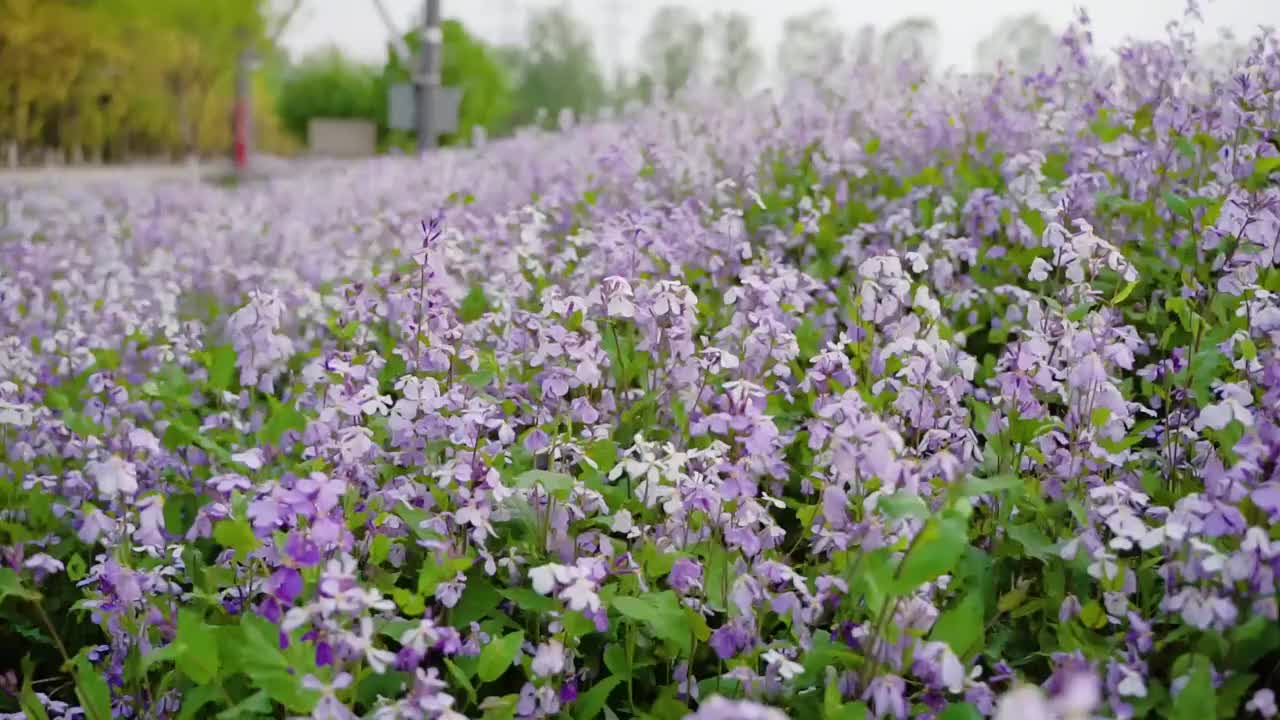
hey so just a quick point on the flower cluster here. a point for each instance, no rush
(949, 398)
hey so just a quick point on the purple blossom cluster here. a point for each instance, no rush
(949, 398)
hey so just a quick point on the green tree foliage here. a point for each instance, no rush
(737, 59)
(672, 49)
(557, 69)
(327, 84)
(123, 77)
(468, 64)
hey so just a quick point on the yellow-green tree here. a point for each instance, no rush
(127, 77)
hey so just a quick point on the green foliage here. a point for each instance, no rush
(104, 78)
(556, 69)
(467, 64)
(327, 85)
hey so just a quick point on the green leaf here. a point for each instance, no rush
(554, 483)
(460, 676)
(1185, 147)
(437, 569)
(662, 614)
(961, 627)
(284, 417)
(166, 654)
(934, 552)
(529, 600)
(106, 358)
(1124, 292)
(92, 690)
(1178, 205)
(27, 700)
(11, 584)
(1092, 615)
(76, 568)
(222, 367)
(196, 698)
(200, 661)
(960, 711)
(258, 703)
(1178, 306)
(590, 703)
(474, 305)
(237, 535)
(903, 504)
(1016, 596)
(615, 659)
(976, 486)
(1232, 692)
(253, 648)
(1196, 701)
(387, 684)
(477, 601)
(1252, 640)
(498, 655)
(1034, 542)
(379, 549)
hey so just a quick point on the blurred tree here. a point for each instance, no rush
(738, 60)
(863, 45)
(1025, 43)
(556, 69)
(672, 49)
(469, 65)
(118, 77)
(326, 84)
(913, 41)
(812, 44)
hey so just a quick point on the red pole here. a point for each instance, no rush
(241, 136)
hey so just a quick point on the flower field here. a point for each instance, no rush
(898, 397)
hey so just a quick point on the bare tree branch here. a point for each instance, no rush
(397, 39)
(285, 19)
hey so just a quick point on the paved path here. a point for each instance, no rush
(139, 174)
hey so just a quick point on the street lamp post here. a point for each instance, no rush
(429, 78)
(428, 85)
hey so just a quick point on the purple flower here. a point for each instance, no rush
(887, 695)
(686, 576)
(302, 550)
(730, 639)
(1263, 703)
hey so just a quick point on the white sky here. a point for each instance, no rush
(617, 25)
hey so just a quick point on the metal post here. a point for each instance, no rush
(429, 79)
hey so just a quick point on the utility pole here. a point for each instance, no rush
(429, 80)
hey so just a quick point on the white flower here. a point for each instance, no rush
(622, 522)
(295, 618)
(549, 659)
(1132, 685)
(787, 668)
(329, 707)
(581, 596)
(1039, 270)
(251, 458)
(1218, 415)
(1023, 703)
(543, 579)
(114, 475)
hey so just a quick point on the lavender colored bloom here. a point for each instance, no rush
(1263, 703)
(686, 576)
(887, 696)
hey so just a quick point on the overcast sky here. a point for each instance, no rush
(617, 25)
